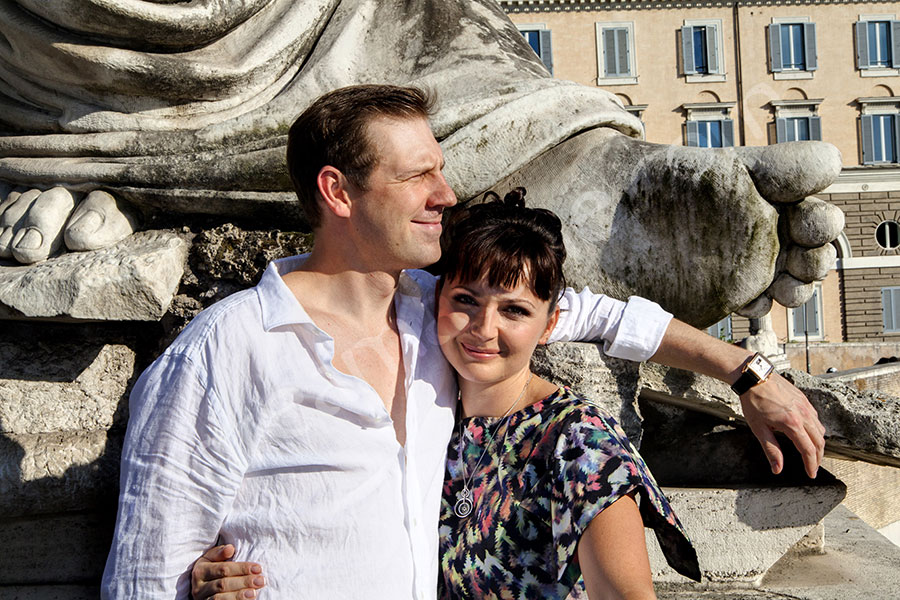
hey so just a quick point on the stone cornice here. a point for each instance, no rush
(526, 6)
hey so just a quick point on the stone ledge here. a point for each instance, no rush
(135, 280)
(740, 532)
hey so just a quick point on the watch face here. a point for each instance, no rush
(760, 366)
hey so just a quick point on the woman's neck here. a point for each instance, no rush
(502, 397)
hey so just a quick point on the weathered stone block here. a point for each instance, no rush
(63, 549)
(55, 472)
(134, 280)
(64, 387)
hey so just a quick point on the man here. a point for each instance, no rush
(305, 421)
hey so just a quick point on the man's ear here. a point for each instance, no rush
(333, 191)
(551, 323)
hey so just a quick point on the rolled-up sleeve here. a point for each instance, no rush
(631, 330)
(182, 464)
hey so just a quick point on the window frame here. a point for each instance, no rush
(818, 305)
(775, 44)
(705, 112)
(545, 42)
(894, 295)
(725, 326)
(863, 47)
(715, 57)
(629, 78)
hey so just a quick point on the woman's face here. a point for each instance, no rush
(489, 333)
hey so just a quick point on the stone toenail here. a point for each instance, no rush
(32, 240)
(90, 222)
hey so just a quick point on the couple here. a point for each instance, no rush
(305, 421)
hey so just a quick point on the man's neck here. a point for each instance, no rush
(340, 287)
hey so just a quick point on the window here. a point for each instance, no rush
(710, 134)
(887, 234)
(701, 50)
(880, 136)
(615, 54)
(792, 47)
(538, 37)
(796, 129)
(877, 43)
(722, 330)
(890, 309)
(806, 319)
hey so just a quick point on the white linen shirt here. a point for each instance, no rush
(244, 432)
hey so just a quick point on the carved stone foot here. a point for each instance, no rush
(36, 224)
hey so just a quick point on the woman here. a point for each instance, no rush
(542, 487)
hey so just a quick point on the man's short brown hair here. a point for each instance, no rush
(333, 132)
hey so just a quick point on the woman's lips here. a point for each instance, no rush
(475, 351)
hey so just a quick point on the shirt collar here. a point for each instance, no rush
(279, 305)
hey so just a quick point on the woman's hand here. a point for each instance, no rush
(612, 553)
(215, 576)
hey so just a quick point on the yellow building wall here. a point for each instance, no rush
(664, 89)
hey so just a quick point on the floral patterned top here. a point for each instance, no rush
(564, 461)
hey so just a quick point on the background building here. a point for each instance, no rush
(715, 74)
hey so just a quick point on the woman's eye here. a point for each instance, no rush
(464, 299)
(518, 311)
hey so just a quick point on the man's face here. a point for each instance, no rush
(398, 216)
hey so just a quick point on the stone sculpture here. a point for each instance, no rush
(115, 112)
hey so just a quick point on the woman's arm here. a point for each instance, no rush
(214, 577)
(612, 553)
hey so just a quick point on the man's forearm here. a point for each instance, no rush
(774, 405)
(685, 347)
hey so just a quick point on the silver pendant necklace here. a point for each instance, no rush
(464, 499)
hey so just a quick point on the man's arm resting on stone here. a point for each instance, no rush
(774, 405)
(640, 330)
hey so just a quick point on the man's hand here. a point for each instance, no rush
(215, 577)
(776, 405)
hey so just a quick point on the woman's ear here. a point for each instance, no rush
(332, 186)
(551, 323)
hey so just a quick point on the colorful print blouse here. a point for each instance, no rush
(564, 460)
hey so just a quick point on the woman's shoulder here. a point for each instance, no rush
(568, 408)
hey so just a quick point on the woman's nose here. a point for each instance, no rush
(484, 324)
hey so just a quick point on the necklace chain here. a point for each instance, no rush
(464, 504)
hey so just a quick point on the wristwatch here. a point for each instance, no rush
(757, 370)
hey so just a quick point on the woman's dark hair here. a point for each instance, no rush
(503, 240)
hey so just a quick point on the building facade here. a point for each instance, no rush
(716, 74)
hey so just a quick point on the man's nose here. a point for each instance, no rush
(443, 194)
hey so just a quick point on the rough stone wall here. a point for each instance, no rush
(63, 409)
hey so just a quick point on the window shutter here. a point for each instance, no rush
(775, 62)
(687, 50)
(862, 44)
(693, 133)
(868, 140)
(712, 49)
(780, 130)
(727, 133)
(609, 52)
(809, 37)
(895, 44)
(815, 128)
(622, 48)
(896, 120)
(812, 314)
(797, 315)
(890, 308)
(546, 49)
